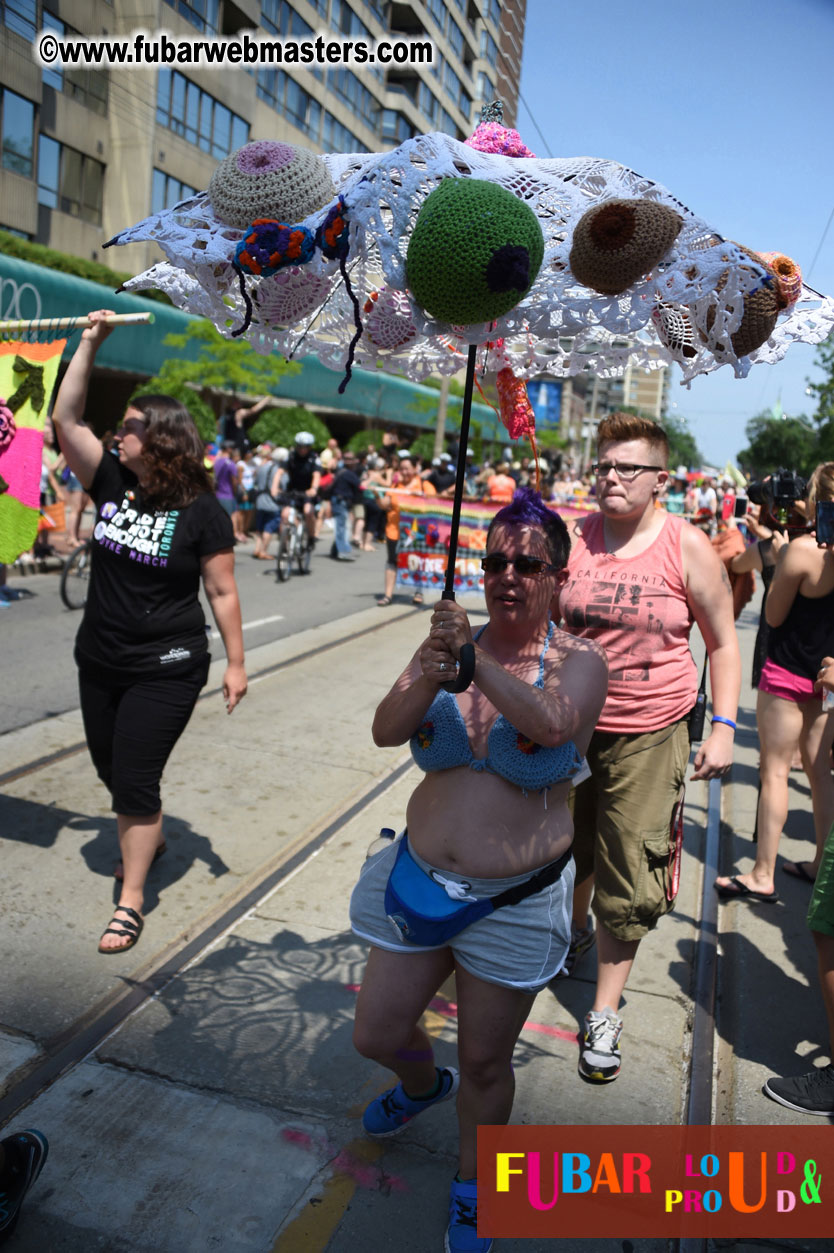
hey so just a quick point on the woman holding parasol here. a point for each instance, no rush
(490, 817)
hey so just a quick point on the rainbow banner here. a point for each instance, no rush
(27, 377)
(425, 525)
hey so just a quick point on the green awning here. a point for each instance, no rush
(33, 291)
(383, 398)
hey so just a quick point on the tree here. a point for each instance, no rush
(824, 391)
(229, 366)
(683, 446)
(281, 425)
(774, 442)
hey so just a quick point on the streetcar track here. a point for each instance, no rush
(88, 1032)
(80, 746)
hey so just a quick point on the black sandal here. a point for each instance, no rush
(132, 928)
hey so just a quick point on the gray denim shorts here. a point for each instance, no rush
(518, 946)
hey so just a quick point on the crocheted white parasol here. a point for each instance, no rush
(412, 260)
(685, 307)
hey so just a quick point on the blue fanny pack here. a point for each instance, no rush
(422, 912)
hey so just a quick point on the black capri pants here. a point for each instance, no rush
(131, 730)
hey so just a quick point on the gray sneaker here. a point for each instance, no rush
(599, 1048)
(812, 1093)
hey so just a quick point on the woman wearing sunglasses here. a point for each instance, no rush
(480, 883)
(141, 649)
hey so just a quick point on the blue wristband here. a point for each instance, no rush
(728, 722)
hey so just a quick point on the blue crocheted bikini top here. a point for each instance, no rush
(441, 742)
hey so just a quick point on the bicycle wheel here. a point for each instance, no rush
(305, 551)
(75, 577)
(283, 566)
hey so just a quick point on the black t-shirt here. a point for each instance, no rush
(143, 615)
(346, 487)
(231, 433)
(300, 471)
(441, 479)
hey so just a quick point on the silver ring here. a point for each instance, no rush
(443, 665)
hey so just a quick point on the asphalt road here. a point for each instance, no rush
(37, 632)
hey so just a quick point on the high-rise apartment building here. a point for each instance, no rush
(86, 152)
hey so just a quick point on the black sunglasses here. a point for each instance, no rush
(527, 567)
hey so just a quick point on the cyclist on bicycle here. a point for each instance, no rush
(303, 479)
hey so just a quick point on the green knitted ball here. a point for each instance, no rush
(474, 252)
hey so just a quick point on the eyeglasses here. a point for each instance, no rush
(527, 567)
(625, 472)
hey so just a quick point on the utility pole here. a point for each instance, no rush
(440, 428)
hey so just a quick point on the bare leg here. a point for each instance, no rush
(138, 839)
(582, 893)
(395, 991)
(614, 961)
(490, 1019)
(815, 745)
(390, 580)
(780, 724)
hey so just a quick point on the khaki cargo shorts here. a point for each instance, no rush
(622, 817)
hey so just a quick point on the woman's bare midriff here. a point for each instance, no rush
(476, 823)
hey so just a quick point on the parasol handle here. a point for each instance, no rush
(71, 324)
(466, 668)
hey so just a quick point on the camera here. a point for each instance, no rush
(778, 493)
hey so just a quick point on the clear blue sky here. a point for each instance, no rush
(729, 104)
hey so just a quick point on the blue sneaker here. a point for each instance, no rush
(388, 1114)
(462, 1232)
(25, 1154)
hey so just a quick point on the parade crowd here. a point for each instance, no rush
(547, 817)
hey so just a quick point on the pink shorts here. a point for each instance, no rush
(781, 682)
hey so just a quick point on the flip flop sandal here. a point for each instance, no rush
(796, 870)
(132, 928)
(383, 601)
(736, 890)
(417, 598)
(160, 849)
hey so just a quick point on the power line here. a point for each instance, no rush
(819, 246)
(535, 124)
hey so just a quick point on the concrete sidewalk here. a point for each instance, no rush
(224, 1113)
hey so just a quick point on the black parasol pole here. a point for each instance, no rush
(466, 670)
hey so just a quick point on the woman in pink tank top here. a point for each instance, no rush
(637, 580)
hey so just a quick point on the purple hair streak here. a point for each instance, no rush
(528, 509)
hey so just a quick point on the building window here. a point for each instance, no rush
(189, 111)
(489, 48)
(455, 36)
(20, 16)
(167, 191)
(200, 13)
(437, 8)
(337, 138)
(287, 97)
(69, 180)
(90, 87)
(345, 84)
(448, 125)
(17, 133)
(427, 102)
(396, 129)
(494, 11)
(486, 87)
